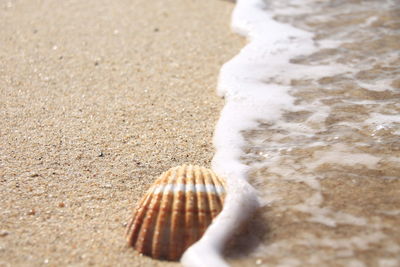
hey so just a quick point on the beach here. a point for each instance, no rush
(293, 103)
(98, 98)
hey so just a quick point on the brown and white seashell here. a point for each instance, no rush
(176, 211)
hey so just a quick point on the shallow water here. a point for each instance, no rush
(328, 170)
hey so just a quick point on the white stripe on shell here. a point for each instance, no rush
(168, 188)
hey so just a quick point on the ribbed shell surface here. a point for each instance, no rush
(176, 211)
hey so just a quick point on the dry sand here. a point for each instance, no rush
(97, 99)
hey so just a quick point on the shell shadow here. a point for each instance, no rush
(249, 236)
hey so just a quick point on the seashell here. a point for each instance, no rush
(176, 211)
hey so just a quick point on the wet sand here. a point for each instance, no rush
(97, 99)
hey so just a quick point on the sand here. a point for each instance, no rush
(97, 99)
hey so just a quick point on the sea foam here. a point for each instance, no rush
(252, 94)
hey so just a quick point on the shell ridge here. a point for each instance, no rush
(207, 207)
(191, 218)
(220, 190)
(160, 230)
(201, 203)
(134, 225)
(147, 227)
(176, 233)
(212, 194)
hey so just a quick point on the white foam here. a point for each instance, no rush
(255, 85)
(340, 154)
(378, 118)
